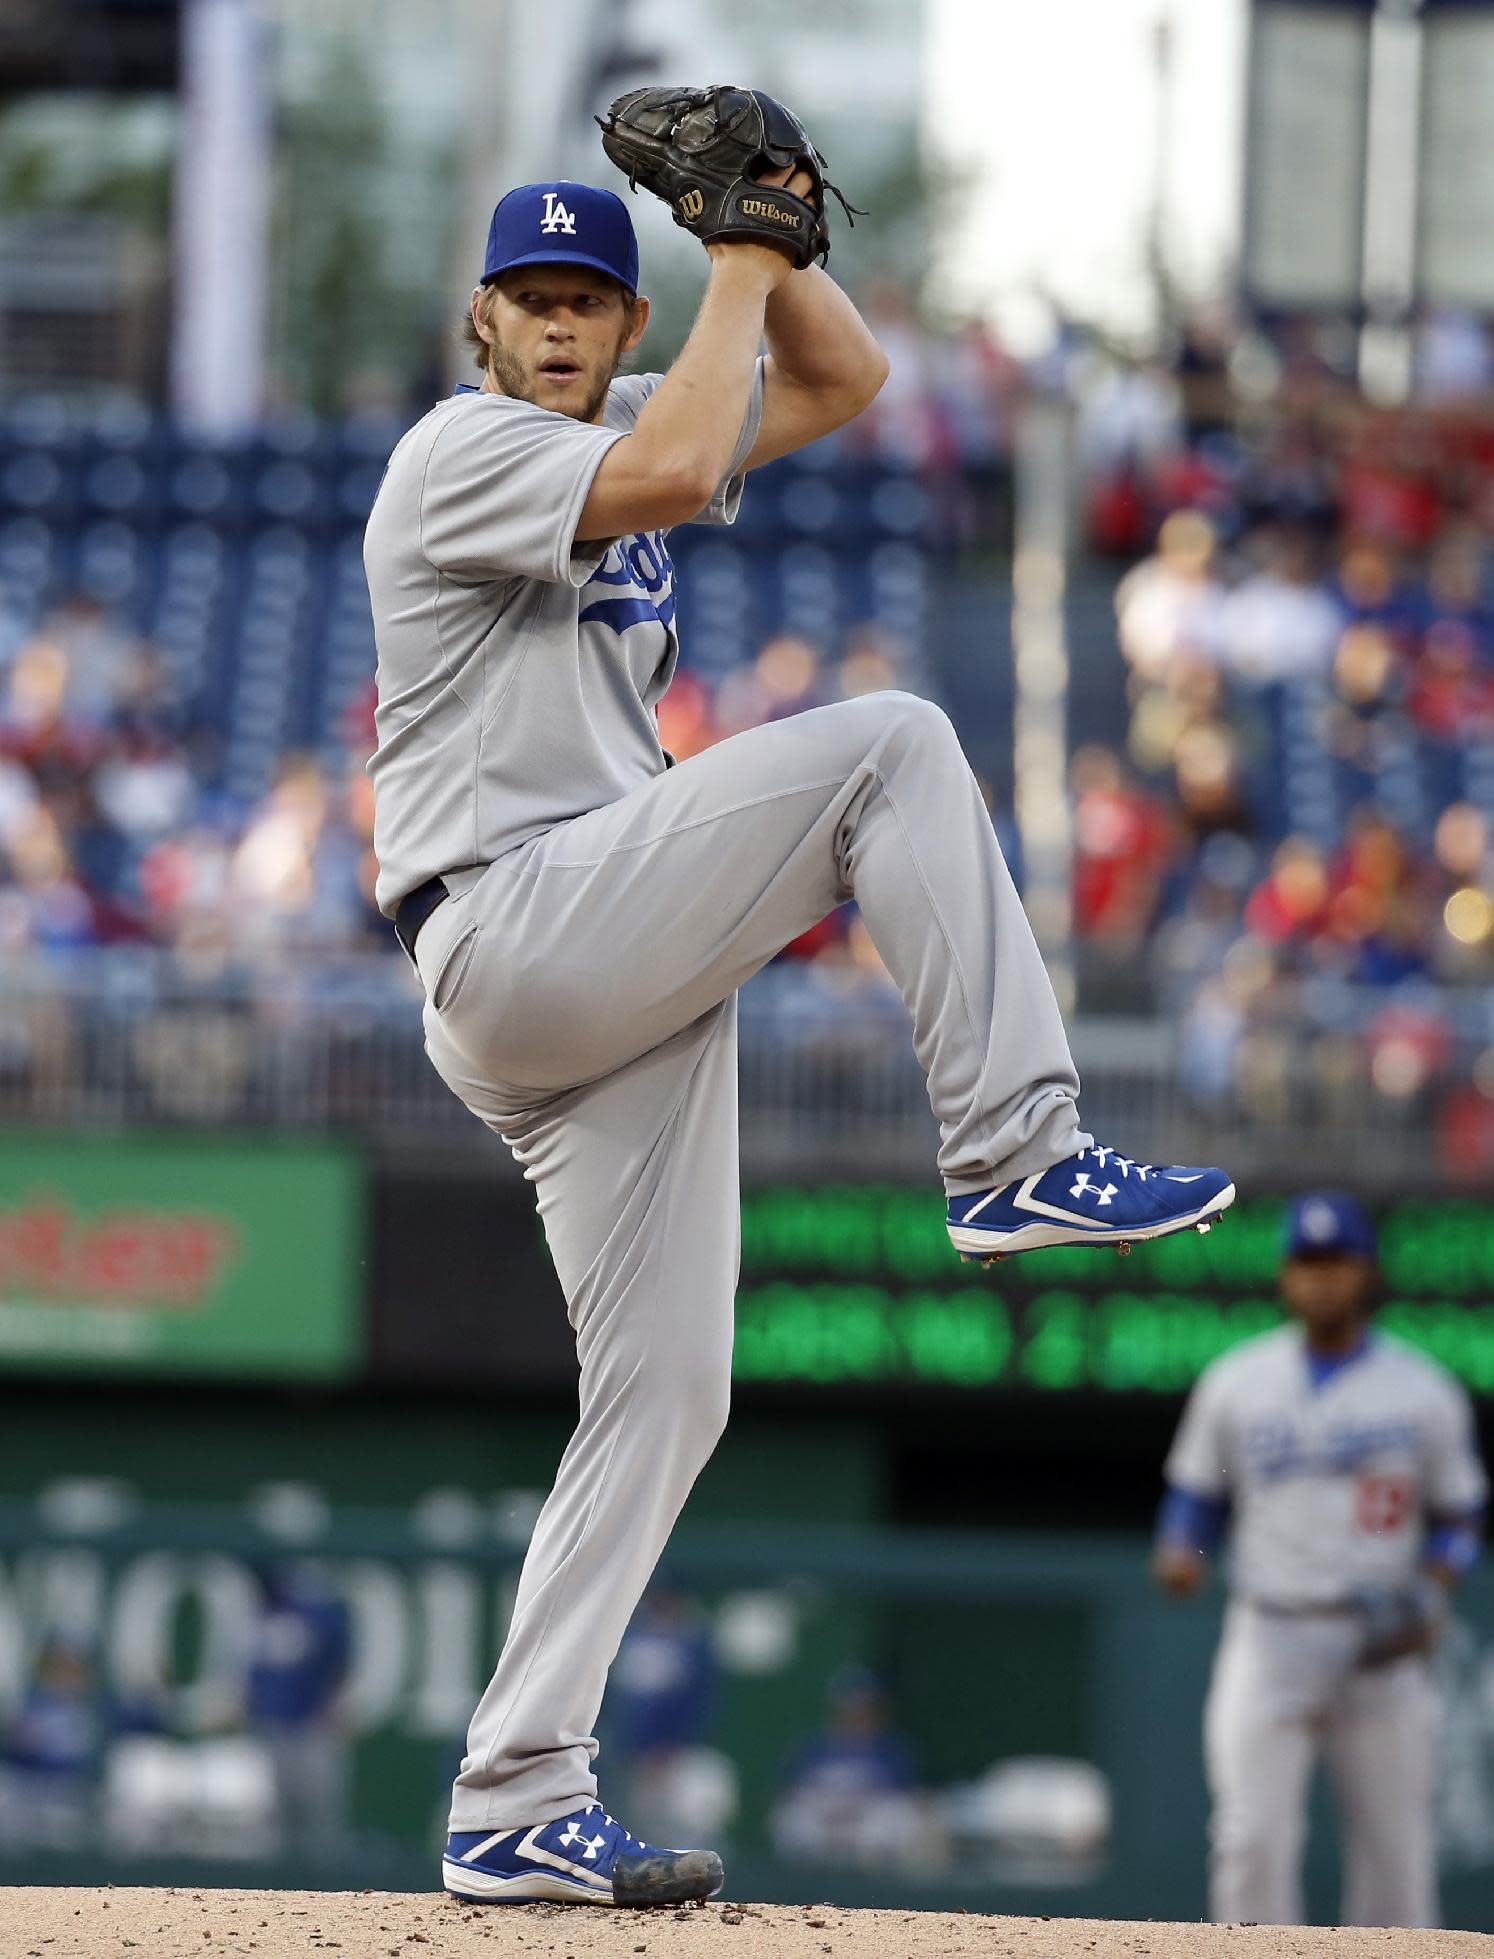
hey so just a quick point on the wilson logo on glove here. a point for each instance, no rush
(704, 151)
(755, 207)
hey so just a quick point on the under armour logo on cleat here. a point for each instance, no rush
(573, 1836)
(1084, 1188)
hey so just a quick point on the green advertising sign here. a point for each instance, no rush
(856, 1284)
(153, 1256)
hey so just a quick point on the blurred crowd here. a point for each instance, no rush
(1284, 832)
(1292, 844)
(191, 946)
(111, 833)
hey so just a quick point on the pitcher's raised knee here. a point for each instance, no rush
(913, 716)
(894, 718)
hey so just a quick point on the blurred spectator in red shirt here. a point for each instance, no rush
(1452, 687)
(1122, 843)
(1291, 901)
(1388, 483)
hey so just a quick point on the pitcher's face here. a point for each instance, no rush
(556, 335)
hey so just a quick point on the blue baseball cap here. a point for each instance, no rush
(563, 223)
(1326, 1222)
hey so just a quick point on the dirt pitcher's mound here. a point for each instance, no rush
(154, 1924)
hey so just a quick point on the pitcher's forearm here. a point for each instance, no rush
(692, 421)
(817, 337)
(668, 469)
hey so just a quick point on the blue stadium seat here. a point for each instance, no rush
(202, 484)
(122, 485)
(40, 481)
(109, 565)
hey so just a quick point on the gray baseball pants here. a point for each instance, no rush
(580, 999)
(1283, 1691)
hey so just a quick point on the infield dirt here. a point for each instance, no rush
(180, 1924)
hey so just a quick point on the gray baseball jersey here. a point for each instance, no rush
(476, 577)
(1330, 1485)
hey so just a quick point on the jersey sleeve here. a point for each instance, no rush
(1456, 1484)
(633, 390)
(1199, 1459)
(503, 492)
(724, 505)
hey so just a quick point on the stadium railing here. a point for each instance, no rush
(828, 1078)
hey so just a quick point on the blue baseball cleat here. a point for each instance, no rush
(584, 1858)
(1096, 1197)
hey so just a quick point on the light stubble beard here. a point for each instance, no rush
(510, 378)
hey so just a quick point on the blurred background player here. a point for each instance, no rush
(662, 1701)
(50, 1755)
(301, 1644)
(1345, 1467)
(851, 1793)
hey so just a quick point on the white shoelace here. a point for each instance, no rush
(614, 1822)
(1109, 1159)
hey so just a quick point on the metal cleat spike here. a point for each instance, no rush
(1123, 1249)
(1204, 1229)
(967, 1258)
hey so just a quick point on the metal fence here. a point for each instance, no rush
(829, 1083)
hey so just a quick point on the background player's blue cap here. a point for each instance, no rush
(562, 223)
(1327, 1222)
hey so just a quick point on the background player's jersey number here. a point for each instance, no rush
(1383, 1504)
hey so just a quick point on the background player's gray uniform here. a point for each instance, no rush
(580, 984)
(1330, 1488)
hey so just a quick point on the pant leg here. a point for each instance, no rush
(608, 934)
(1382, 1754)
(1258, 1750)
(637, 1184)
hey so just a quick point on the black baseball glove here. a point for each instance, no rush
(703, 150)
(1396, 1621)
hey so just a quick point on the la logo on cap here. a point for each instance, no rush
(557, 217)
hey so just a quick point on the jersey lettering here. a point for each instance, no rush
(1275, 1450)
(642, 563)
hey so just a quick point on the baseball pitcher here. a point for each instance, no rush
(1345, 1467)
(581, 912)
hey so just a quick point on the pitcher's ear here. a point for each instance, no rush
(638, 312)
(479, 310)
